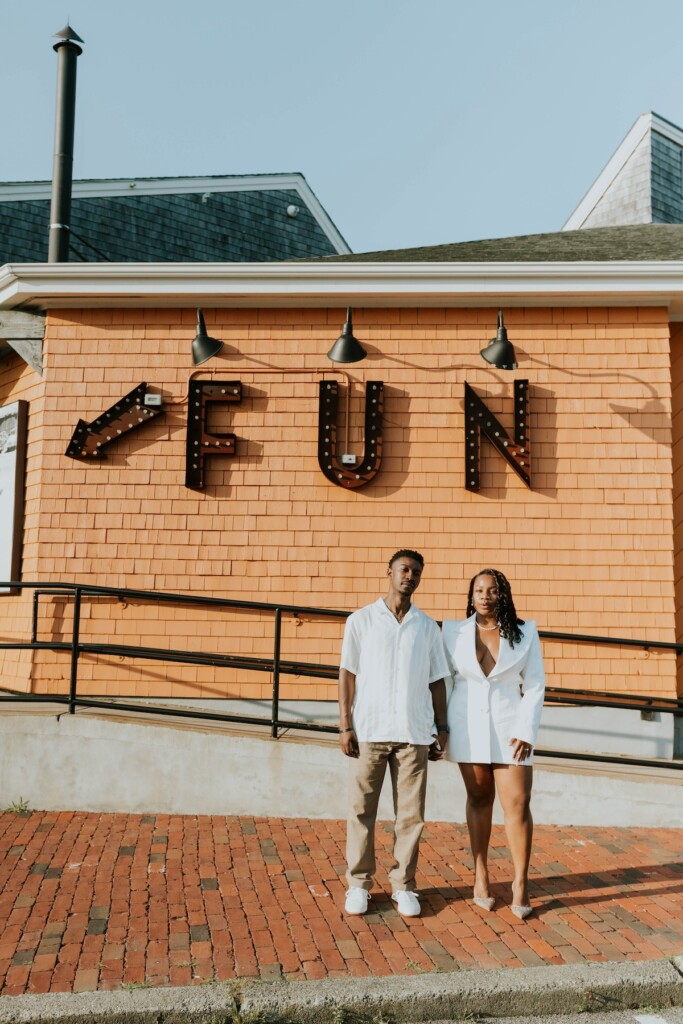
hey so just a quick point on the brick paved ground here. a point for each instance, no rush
(95, 901)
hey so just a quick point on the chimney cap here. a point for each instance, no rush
(67, 34)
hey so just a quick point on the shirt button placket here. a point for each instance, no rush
(396, 665)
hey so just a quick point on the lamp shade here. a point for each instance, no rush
(204, 347)
(499, 351)
(347, 348)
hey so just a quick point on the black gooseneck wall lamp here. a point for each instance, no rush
(499, 351)
(347, 348)
(204, 347)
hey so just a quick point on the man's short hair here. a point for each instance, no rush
(407, 553)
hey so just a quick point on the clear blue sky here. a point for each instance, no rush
(414, 121)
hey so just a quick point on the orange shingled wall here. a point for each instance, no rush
(677, 400)
(589, 549)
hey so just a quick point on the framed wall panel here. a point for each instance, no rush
(13, 422)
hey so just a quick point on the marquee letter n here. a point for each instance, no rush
(479, 420)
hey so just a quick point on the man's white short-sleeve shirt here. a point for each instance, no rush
(394, 663)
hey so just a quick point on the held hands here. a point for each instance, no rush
(521, 750)
(348, 741)
(438, 747)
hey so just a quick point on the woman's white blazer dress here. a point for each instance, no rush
(485, 712)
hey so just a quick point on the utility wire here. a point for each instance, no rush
(91, 246)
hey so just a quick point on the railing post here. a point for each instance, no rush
(34, 621)
(276, 674)
(75, 650)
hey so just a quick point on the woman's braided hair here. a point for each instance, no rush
(507, 616)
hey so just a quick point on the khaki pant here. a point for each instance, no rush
(408, 767)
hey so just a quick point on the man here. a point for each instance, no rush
(391, 694)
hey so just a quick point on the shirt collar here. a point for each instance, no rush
(385, 610)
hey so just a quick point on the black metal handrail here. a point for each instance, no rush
(279, 666)
(619, 641)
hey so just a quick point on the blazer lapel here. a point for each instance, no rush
(505, 653)
(508, 656)
(466, 649)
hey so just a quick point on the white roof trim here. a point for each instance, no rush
(98, 187)
(31, 190)
(83, 285)
(312, 202)
(646, 122)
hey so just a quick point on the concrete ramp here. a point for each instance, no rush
(113, 763)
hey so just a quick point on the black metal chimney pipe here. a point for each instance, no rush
(68, 52)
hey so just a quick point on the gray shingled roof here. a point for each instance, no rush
(633, 243)
(221, 226)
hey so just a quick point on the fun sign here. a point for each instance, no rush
(91, 439)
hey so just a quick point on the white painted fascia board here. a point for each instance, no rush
(55, 285)
(98, 189)
(609, 172)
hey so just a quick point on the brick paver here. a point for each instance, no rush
(101, 901)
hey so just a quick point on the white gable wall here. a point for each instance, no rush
(627, 200)
(642, 183)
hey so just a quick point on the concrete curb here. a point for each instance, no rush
(206, 1004)
(511, 992)
(520, 992)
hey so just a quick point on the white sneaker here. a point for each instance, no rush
(356, 900)
(407, 903)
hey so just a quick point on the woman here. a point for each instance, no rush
(493, 713)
